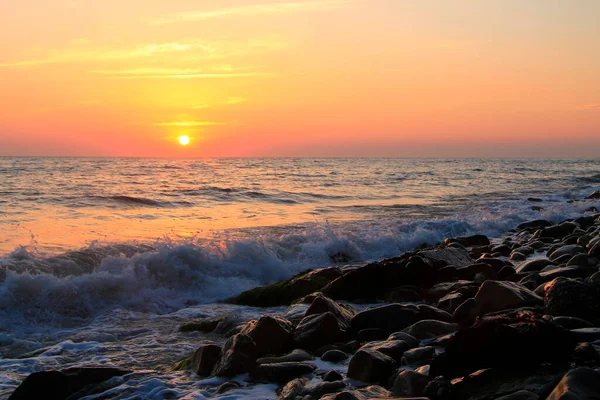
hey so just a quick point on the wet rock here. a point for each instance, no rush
(502, 249)
(467, 312)
(418, 356)
(411, 341)
(570, 250)
(367, 393)
(371, 366)
(474, 240)
(281, 372)
(450, 302)
(272, 335)
(497, 295)
(238, 356)
(517, 256)
(370, 334)
(566, 272)
(205, 358)
(440, 389)
(295, 356)
(321, 389)
(392, 348)
(447, 256)
(322, 304)
(572, 322)
(206, 325)
(570, 297)
(294, 389)
(429, 328)
(438, 291)
(591, 334)
(580, 383)
(318, 330)
(534, 225)
(470, 271)
(580, 260)
(409, 384)
(533, 265)
(227, 386)
(334, 356)
(594, 196)
(332, 376)
(389, 318)
(519, 395)
(403, 295)
(58, 385)
(429, 312)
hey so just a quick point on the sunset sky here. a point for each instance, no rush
(406, 78)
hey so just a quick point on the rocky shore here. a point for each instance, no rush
(514, 318)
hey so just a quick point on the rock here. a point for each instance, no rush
(392, 348)
(506, 273)
(526, 250)
(403, 294)
(450, 302)
(579, 383)
(371, 366)
(519, 395)
(570, 249)
(389, 318)
(370, 334)
(206, 325)
(504, 341)
(429, 328)
(320, 389)
(438, 291)
(285, 292)
(334, 356)
(294, 389)
(496, 296)
(272, 335)
(594, 196)
(58, 385)
(533, 265)
(238, 356)
(281, 372)
(411, 341)
(573, 298)
(580, 260)
(475, 240)
(447, 256)
(317, 330)
(517, 256)
(419, 355)
(440, 389)
(205, 358)
(322, 304)
(227, 386)
(295, 356)
(502, 249)
(537, 224)
(572, 322)
(429, 312)
(410, 384)
(595, 250)
(566, 272)
(470, 271)
(591, 334)
(367, 393)
(332, 376)
(467, 312)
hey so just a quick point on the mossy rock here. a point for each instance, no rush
(183, 364)
(285, 292)
(205, 325)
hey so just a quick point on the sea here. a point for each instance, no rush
(101, 259)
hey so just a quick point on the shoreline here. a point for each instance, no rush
(525, 312)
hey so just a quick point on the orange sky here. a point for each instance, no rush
(407, 78)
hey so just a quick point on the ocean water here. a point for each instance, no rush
(101, 259)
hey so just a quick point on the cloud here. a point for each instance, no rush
(176, 74)
(189, 123)
(28, 63)
(255, 9)
(163, 48)
(227, 101)
(592, 106)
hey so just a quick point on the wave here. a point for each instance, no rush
(589, 179)
(138, 200)
(76, 286)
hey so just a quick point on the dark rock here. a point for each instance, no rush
(403, 294)
(367, 393)
(595, 250)
(205, 358)
(447, 256)
(517, 256)
(506, 272)
(419, 355)
(450, 302)
(428, 328)
(429, 312)
(281, 372)
(371, 366)
(297, 355)
(586, 334)
(227, 386)
(566, 272)
(533, 265)
(58, 385)
(439, 389)
(405, 337)
(294, 389)
(410, 384)
(475, 240)
(570, 250)
(580, 260)
(238, 356)
(579, 383)
(332, 376)
(537, 224)
(392, 348)
(506, 341)
(467, 312)
(320, 389)
(519, 395)
(206, 325)
(496, 296)
(334, 356)
(534, 199)
(594, 196)
(322, 304)
(572, 322)
(573, 298)
(370, 334)
(318, 330)
(525, 250)
(471, 271)
(438, 291)
(272, 335)
(390, 318)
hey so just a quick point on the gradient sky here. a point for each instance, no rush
(406, 78)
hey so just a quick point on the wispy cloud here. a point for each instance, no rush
(28, 63)
(163, 48)
(255, 9)
(227, 101)
(189, 123)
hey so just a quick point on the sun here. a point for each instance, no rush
(184, 140)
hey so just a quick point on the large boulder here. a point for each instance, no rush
(535, 265)
(410, 384)
(447, 256)
(474, 240)
(574, 298)
(58, 385)
(322, 304)
(367, 393)
(205, 358)
(418, 356)
(578, 384)
(371, 366)
(496, 296)
(238, 356)
(392, 348)
(390, 318)
(428, 328)
(295, 356)
(272, 335)
(570, 249)
(317, 330)
(281, 372)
